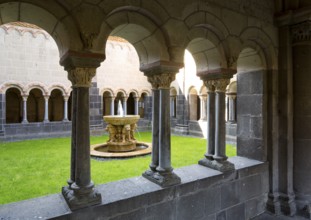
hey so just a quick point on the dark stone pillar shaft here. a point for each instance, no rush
(155, 130)
(220, 128)
(83, 169)
(210, 125)
(73, 136)
(165, 132)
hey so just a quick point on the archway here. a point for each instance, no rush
(107, 100)
(194, 105)
(14, 104)
(131, 104)
(56, 106)
(35, 106)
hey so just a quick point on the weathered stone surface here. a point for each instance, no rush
(138, 198)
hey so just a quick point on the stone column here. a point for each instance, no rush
(124, 99)
(172, 98)
(220, 122)
(46, 108)
(65, 108)
(210, 146)
(232, 108)
(25, 109)
(136, 99)
(216, 146)
(161, 171)
(155, 132)
(111, 105)
(202, 107)
(81, 192)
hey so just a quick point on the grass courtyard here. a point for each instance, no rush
(40, 167)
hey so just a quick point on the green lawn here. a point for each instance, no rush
(40, 167)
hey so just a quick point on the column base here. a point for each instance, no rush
(163, 179)
(25, 122)
(222, 166)
(76, 200)
(46, 121)
(273, 204)
(288, 204)
(281, 204)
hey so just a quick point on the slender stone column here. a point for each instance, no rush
(73, 136)
(111, 105)
(231, 107)
(25, 110)
(81, 192)
(204, 106)
(172, 98)
(220, 122)
(65, 108)
(163, 175)
(155, 130)
(136, 105)
(211, 120)
(216, 145)
(46, 108)
(124, 99)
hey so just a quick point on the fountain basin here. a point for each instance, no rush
(101, 151)
(121, 132)
(121, 120)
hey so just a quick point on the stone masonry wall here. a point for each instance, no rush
(96, 111)
(250, 113)
(203, 194)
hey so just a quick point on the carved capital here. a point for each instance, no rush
(209, 85)
(81, 77)
(25, 97)
(161, 80)
(301, 32)
(221, 84)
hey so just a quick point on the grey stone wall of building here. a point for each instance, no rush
(148, 108)
(302, 124)
(182, 110)
(203, 194)
(250, 115)
(195, 129)
(15, 132)
(2, 114)
(96, 111)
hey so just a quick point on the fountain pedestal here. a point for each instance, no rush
(121, 132)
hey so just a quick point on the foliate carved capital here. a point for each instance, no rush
(209, 85)
(161, 80)
(25, 97)
(221, 84)
(81, 77)
(301, 32)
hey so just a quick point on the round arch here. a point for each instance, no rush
(141, 29)
(4, 87)
(37, 85)
(46, 16)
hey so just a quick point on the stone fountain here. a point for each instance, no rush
(121, 132)
(121, 142)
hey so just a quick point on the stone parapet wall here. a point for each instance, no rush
(203, 194)
(15, 132)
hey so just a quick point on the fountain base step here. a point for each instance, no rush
(101, 150)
